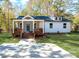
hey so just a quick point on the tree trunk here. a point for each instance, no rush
(8, 22)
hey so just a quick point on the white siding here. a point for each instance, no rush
(57, 27)
(41, 24)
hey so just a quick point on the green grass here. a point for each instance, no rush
(69, 42)
(7, 38)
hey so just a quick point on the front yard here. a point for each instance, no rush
(69, 42)
(7, 38)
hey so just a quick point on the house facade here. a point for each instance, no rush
(49, 24)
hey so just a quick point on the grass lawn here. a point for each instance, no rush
(7, 38)
(69, 42)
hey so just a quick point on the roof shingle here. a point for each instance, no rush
(20, 17)
(46, 18)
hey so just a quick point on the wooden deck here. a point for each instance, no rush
(21, 34)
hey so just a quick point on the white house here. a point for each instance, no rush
(49, 24)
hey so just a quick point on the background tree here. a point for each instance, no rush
(7, 13)
(43, 7)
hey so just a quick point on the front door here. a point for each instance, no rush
(27, 27)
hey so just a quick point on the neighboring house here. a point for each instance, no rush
(48, 24)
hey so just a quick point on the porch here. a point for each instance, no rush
(28, 28)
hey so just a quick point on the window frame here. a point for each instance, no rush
(20, 25)
(56, 18)
(50, 25)
(34, 25)
(64, 25)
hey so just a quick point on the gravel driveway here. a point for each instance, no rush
(29, 49)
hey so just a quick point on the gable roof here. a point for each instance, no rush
(65, 20)
(45, 18)
(41, 17)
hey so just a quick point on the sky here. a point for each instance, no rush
(20, 4)
(19, 1)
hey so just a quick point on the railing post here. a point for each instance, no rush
(33, 26)
(43, 27)
(21, 34)
(22, 26)
(13, 26)
(33, 30)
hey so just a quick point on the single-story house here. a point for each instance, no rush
(49, 24)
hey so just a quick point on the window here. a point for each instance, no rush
(51, 25)
(35, 25)
(28, 27)
(64, 25)
(55, 18)
(60, 18)
(20, 25)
